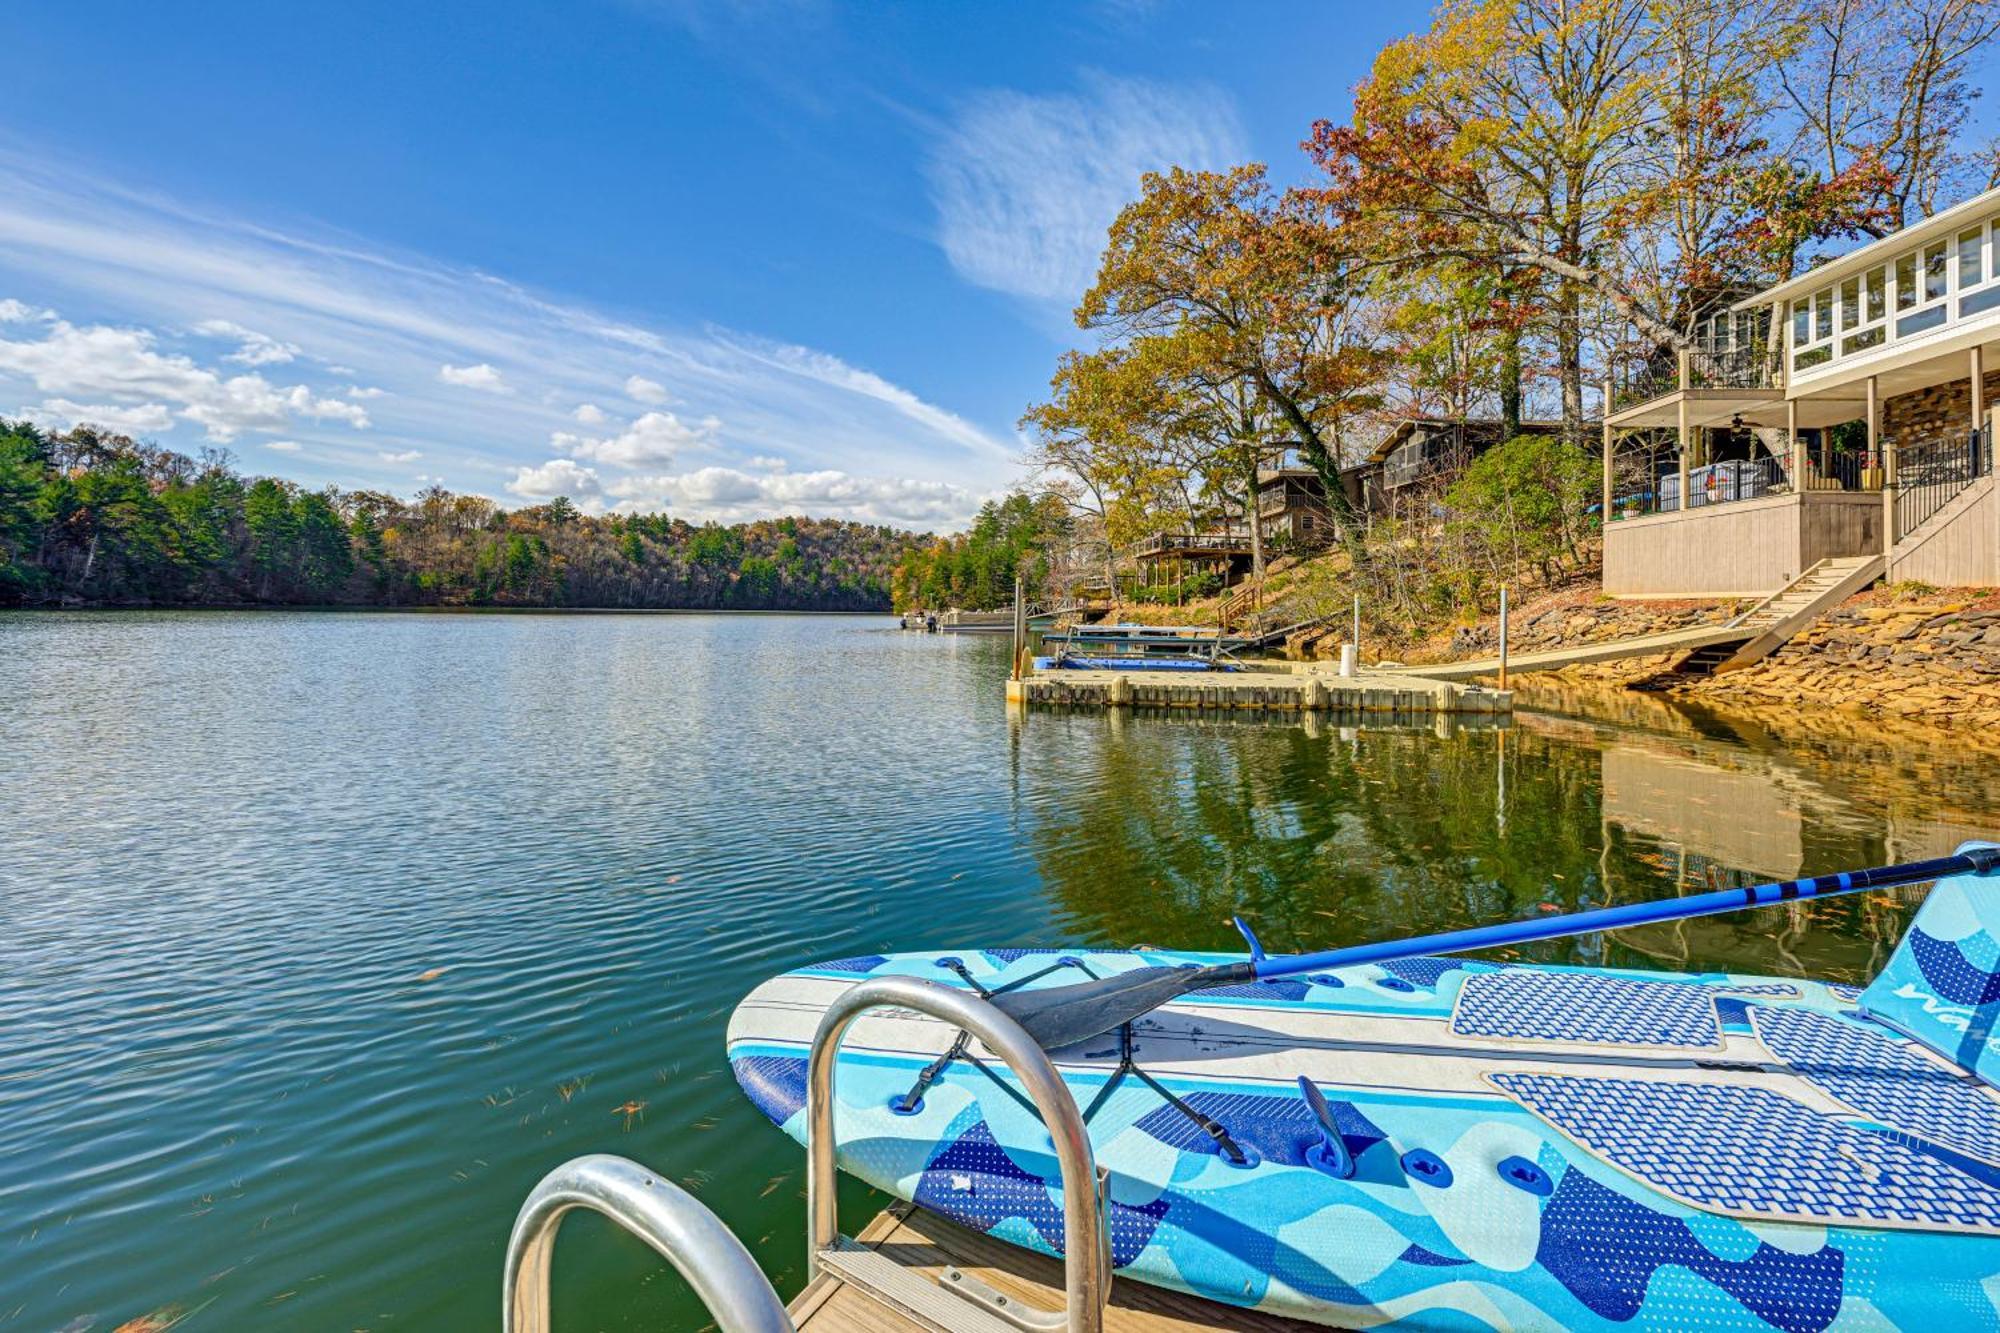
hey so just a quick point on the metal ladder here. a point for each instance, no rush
(676, 1224)
(1086, 1264)
(691, 1238)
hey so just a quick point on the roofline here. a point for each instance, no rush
(1875, 252)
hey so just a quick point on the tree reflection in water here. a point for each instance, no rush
(1156, 828)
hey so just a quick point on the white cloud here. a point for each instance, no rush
(767, 463)
(132, 419)
(15, 312)
(654, 439)
(727, 494)
(590, 414)
(558, 476)
(284, 446)
(481, 376)
(124, 364)
(1025, 187)
(642, 390)
(253, 348)
(127, 262)
(357, 392)
(399, 455)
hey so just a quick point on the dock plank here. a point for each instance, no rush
(926, 1244)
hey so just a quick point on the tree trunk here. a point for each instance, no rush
(1569, 361)
(1313, 448)
(1510, 384)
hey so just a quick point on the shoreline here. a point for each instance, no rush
(446, 610)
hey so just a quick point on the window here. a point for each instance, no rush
(1906, 281)
(1801, 322)
(1971, 257)
(1822, 315)
(1878, 280)
(1934, 271)
(1850, 304)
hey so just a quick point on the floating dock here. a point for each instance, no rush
(895, 1275)
(1279, 687)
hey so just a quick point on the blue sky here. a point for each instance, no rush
(725, 259)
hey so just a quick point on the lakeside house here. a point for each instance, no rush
(1414, 454)
(1418, 453)
(1845, 414)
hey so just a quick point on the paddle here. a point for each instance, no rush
(1058, 1016)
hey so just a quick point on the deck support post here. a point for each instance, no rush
(1795, 446)
(1604, 513)
(1978, 359)
(1883, 456)
(1681, 501)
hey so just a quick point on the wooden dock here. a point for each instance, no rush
(914, 1249)
(1283, 688)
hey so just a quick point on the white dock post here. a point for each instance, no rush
(1503, 636)
(1350, 660)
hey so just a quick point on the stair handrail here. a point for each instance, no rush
(1086, 1262)
(679, 1227)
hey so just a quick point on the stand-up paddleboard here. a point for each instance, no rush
(1447, 1143)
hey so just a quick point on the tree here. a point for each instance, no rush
(273, 526)
(325, 555)
(1880, 93)
(23, 456)
(1259, 285)
(1524, 502)
(1506, 137)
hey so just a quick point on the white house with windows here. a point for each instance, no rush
(1843, 414)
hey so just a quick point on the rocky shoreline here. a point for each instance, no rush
(1933, 659)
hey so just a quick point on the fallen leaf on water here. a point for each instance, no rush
(159, 1321)
(673, 879)
(432, 975)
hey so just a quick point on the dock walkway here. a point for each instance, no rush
(1555, 659)
(921, 1246)
(1273, 690)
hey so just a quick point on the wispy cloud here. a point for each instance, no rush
(325, 337)
(1026, 186)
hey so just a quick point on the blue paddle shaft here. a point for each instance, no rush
(1975, 861)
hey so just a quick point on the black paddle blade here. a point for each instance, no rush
(1058, 1016)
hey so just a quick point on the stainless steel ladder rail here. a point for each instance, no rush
(677, 1225)
(1087, 1263)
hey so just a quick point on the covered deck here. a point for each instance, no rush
(1726, 472)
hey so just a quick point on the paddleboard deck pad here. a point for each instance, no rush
(1512, 1146)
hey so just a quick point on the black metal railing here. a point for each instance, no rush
(1713, 484)
(1732, 368)
(1928, 476)
(1642, 378)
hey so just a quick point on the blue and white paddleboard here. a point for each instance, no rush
(1518, 1147)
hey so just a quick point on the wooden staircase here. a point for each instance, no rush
(1772, 622)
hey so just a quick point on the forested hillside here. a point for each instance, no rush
(88, 518)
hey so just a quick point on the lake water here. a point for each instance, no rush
(324, 936)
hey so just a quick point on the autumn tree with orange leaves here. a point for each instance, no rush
(1256, 293)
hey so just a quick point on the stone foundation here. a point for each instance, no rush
(1939, 412)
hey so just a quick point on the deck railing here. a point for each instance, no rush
(1217, 539)
(1642, 378)
(1713, 484)
(1929, 475)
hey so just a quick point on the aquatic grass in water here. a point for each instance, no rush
(324, 936)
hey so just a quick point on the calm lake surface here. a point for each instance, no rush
(324, 936)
